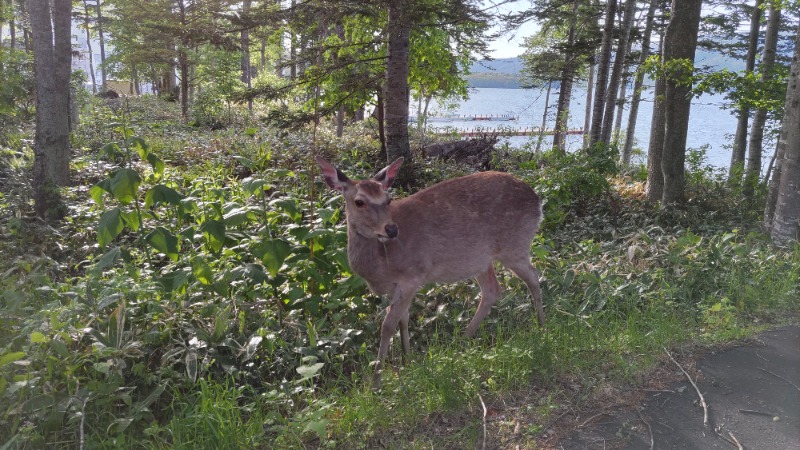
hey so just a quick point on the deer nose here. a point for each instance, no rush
(391, 230)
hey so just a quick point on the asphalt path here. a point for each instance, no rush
(752, 397)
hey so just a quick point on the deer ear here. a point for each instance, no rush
(386, 176)
(333, 176)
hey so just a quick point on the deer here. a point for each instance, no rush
(448, 232)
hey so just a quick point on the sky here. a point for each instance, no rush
(510, 44)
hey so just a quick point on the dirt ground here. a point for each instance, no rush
(751, 392)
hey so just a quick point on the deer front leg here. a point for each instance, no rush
(397, 313)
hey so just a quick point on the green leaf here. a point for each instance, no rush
(108, 259)
(138, 144)
(214, 232)
(9, 358)
(110, 226)
(131, 220)
(236, 216)
(202, 271)
(159, 194)
(125, 185)
(255, 185)
(99, 189)
(275, 252)
(290, 207)
(164, 241)
(111, 150)
(309, 371)
(174, 281)
(247, 162)
(60, 348)
(38, 338)
(156, 163)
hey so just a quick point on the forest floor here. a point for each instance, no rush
(750, 390)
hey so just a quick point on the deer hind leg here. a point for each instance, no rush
(405, 339)
(522, 267)
(396, 314)
(490, 291)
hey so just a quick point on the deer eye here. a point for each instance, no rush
(359, 203)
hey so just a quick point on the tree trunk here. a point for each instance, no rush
(602, 73)
(565, 90)
(102, 41)
(183, 64)
(680, 42)
(783, 225)
(245, 43)
(396, 93)
(627, 149)
(89, 46)
(655, 179)
(616, 73)
(52, 65)
(544, 117)
(379, 109)
(587, 117)
(755, 147)
(740, 139)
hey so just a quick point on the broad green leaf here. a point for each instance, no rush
(131, 219)
(156, 163)
(202, 271)
(99, 189)
(236, 216)
(38, 338)
(174, 281)
(108, 259)
(247, 162)
(255, 185)
(164, 241)
(290, 207)
(309, 371)
(138, 144)
(125, 185)
(111, 150)
(60, 348)
(159, 194)
(110, 226)
(275, 252)
(214, 232)
(11, 357)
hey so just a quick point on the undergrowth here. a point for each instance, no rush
(199, 295)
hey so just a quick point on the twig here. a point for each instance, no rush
(484, 421)
(591, 418)
(760, 413)
(652, 440)
(776, 375)
(702, 400)
(738, 445)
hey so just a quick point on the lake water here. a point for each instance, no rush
(709, 123)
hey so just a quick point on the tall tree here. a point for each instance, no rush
(680, 43)
(740, 138)
(601, 83)
(617, 72)
(638, 83)
(782, 211)
(784, 198)
(753, 170)
(396, 91)
(52, 55)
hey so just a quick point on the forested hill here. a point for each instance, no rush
(504, 72)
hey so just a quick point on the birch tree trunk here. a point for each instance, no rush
(627, 149)
(755, 147)
(740, 138)
(602, 73)
(785, 224)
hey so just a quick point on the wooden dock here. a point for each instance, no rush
(507, 132)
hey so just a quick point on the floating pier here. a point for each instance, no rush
(482, 131)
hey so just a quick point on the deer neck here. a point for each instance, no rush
(368, 258)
